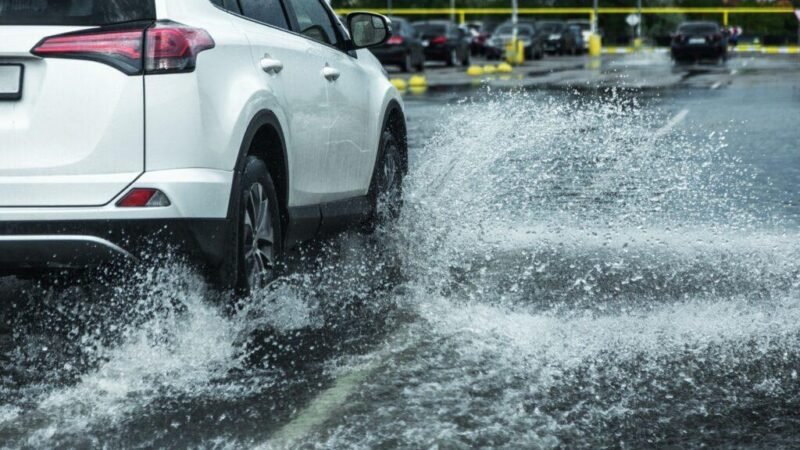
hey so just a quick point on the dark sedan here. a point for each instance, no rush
(404, 49)
(532, 41)
(695, 41)
(444, 41)
(558, 39)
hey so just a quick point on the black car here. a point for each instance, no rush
(444, 41)
(532, 40)
(558, 39)
(403, 49)
(695, 41)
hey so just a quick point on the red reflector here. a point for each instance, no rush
(439, 40)
(395, 40)
(139, 198)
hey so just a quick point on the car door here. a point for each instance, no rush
(289, 67)
(347, 162)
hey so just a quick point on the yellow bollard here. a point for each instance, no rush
(504, 68)
(489, 69)
(417, 81)
(595, 45)
(475, 71)
(399, 83)
(515, 52)
(637, 44)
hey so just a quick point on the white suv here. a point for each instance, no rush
(235, 128)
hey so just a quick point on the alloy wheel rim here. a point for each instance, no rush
(389, 188)
(259, 237)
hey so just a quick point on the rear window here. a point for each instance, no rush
(431, 29)
(522, 30)
(75, 12)
(551, 27)
(698, 28)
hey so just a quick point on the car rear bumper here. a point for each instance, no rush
(193, 193)
(53, 245)
(388, 55)
(75, 237)
(698, 51)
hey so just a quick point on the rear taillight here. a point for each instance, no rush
(395, 40)
(165, 47)
(438, 40)
(121, 49)
(173, 47)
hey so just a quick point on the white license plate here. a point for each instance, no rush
(10, 81)
(426, 43)
(694, 41)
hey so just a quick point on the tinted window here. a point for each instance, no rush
(431, 29)
(523, 30)
(265, 11)
(698, 28)
(314, 21)
(74, 12)
(551, 27)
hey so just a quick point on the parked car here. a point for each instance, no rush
(444, 41)
(586, 31)
(404, 49)
(694, 41)
(233, 133)
(581, 45)
(532, 40)
(479, 35)
(558, 38)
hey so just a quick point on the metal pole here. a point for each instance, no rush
(594, 17)
(452, 10)
(639, 25)
(515, 18)
(389, 6)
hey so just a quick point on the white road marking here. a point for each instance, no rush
(716, 85)
(672, 123)
(323, 407)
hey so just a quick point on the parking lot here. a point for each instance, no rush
(593, 253)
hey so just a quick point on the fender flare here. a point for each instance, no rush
(261, 119)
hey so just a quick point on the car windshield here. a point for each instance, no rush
(551, 27)
(522, 30)
(583, 26)
(75, 12)
(698, 28)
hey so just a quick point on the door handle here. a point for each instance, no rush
(270, 65)
(330, 73)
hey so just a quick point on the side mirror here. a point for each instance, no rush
(367, 29)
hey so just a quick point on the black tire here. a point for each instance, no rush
(467, 59)
(254, 247)
(386, 188)
(452, 58)
(406, 66)
(421, 64)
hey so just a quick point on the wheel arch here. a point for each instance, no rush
(395, 120)
(265, 139)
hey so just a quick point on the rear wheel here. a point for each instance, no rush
(386, 190)
(452, 59)
(406, 66)
(254, 248)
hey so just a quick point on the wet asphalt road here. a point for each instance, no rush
(578, 265)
